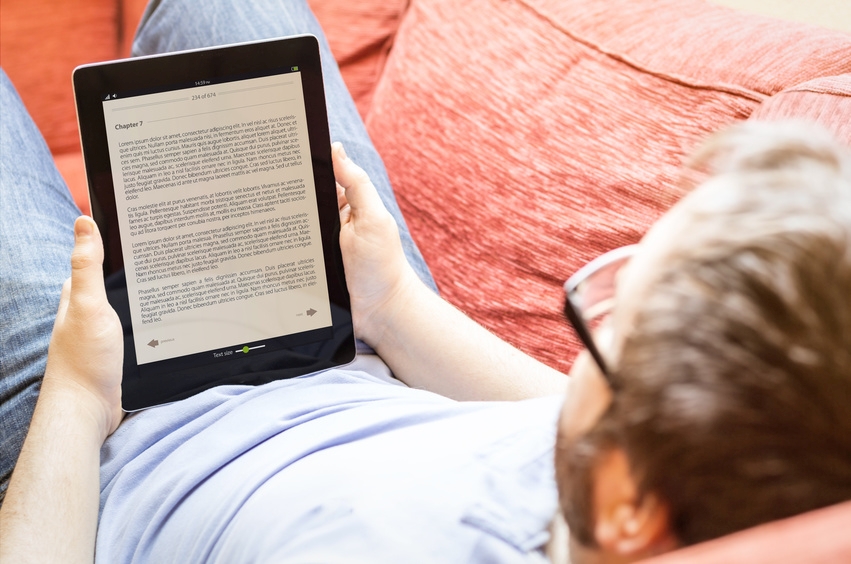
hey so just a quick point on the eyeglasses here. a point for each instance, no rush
(590, 297)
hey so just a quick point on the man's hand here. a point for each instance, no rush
(51, 508)
(377, 273)
(86, 350)
(425, 341)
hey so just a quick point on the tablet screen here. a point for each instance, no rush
(215, 209)
(211, 257)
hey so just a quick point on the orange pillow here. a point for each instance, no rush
(816, 537)
(131, 15)
(42, 41)
(360, 34)
(525, 137)
(826, 101)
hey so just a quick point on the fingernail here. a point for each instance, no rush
(83, 227)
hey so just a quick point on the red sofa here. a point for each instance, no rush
(523, 137)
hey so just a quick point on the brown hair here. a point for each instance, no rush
(733, 388)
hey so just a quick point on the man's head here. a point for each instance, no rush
(730, 357)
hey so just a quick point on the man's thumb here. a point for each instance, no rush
(359, 190)
(87, 258)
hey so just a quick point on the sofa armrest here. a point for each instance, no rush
(817, 537)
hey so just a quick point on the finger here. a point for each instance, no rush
(357, 187)
(87, 260)
(341, 197)
(343, 205)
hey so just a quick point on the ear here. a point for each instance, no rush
(625, 525)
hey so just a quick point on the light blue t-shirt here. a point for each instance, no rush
(347, 465)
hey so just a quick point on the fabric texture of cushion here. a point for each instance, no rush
(525, 137)
(817, 537)
(39, 61)
(42, 41)
(826, 101)
(360, 34)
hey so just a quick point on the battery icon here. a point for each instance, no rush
(293, 69)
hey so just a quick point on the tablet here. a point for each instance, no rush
(210, 179)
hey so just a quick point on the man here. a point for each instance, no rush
(348, 465)
(729, 358)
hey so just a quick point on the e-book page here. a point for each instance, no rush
(218, 216)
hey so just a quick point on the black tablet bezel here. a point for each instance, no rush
(283, 357)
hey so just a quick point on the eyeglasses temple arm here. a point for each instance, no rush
(585, 336)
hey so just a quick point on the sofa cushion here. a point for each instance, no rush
(131, 15)
(816, 537)
(42, 41)
(360, 34)
(826, 101)
(525, 137)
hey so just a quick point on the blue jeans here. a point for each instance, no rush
(37, 213)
